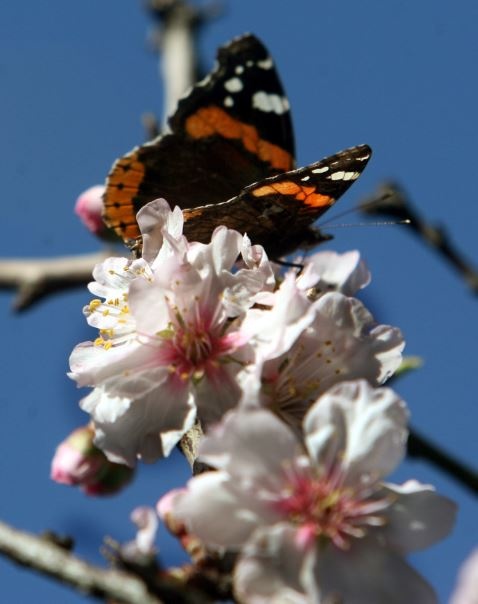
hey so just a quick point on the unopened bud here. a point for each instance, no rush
(77, 461)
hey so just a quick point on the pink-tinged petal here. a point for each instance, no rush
(272, 568)
(240, 289)
(219, 514)
(136, 383)
(91, 365)
(466, 591)
(223, 250)
(328, 271)
(216, 393)
(369, 430)
(418, 518)
(146, 521)
(254, 256)
(148, 428)
(155, 218)
(251, 444)
(367, 574)
(166, 505)
(277, 329)
(356, 346)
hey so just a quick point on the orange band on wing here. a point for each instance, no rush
(124, 182)
(214, 120)
(288, 187)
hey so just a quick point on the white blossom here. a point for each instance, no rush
(317, 521)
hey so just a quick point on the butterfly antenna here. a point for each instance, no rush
(368, 224)
(361, 206)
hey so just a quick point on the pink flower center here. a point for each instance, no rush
(322, 508)
(195, 348)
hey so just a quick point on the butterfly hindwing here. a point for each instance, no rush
(277, 212)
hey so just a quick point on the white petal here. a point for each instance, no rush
(418, 518)
(148, 427)
(274, 331)
(347, 344)
(153, 219)
(252, 444)
(329, 271)
(272, 568)
(369, 430)
(224, 249)
(367, 574)
(219, 514)
(466, 591)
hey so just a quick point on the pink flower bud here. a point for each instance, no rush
(89, 206)
(79, 462)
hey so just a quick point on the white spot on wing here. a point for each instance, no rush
(341, 175)
(228, 101)
(239, 69)
(305, 178)
(233, 85)
(270, 103)
(321, 170)
(249, 63)
(265, 63)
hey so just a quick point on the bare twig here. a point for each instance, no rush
(35, 278)
(178, 25)
(51, 559)
(421, 448)
(390, 200)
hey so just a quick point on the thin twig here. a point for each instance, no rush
(390, 200)
(420, 447)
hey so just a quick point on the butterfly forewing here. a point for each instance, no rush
(230, 130)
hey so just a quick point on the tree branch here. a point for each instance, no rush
(420, 447)
(391, 200)
(52, 560)
(36, 278)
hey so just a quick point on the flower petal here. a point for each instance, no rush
(149, 427)
(271, 567)
(367, 574)
(250, 443)
(418, 518)
(329, 271)
(369, 430)
(219, 514)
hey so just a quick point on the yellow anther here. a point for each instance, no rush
(93, 305)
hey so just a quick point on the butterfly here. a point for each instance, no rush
(229, 160)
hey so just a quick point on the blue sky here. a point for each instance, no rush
(74, 80)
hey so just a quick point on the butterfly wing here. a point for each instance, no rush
(231, 129)
(277, 212)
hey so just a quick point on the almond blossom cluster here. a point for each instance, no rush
(283, 373)
(311, 519)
